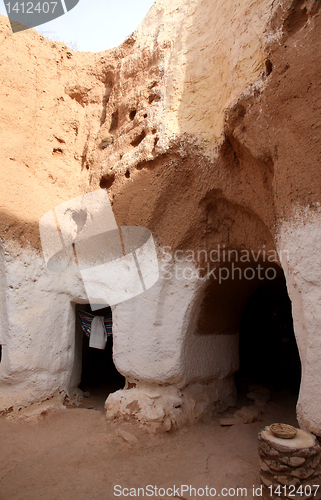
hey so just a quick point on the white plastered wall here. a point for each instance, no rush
(299, 250)
(177, 375)
(154, 345)
(38, 329)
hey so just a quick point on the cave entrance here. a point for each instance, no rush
(99, 375)
(268, 350)
(241, 326)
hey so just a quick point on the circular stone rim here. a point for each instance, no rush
(303, 440)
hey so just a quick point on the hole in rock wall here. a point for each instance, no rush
(114, 122)
(107, 180)
(57, 151)
(268, 67)
(99, 375)
(138, 139)
(132, 114)
(154, 97)
(60, 140)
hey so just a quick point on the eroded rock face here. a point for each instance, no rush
(204, 127)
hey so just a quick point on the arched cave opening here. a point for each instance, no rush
(241, 327)
(99, 375)
(268, 350)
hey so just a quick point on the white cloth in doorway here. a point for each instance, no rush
(98, 334)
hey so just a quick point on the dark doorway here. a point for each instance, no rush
(99, 375)
(268, 350)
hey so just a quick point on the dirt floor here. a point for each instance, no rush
(76, 454)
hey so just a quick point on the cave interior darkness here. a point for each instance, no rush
(99, 375)
(268, 350)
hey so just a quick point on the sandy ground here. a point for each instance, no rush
(76, 454)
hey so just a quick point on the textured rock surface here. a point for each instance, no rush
(167, 408)
(204, 126)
